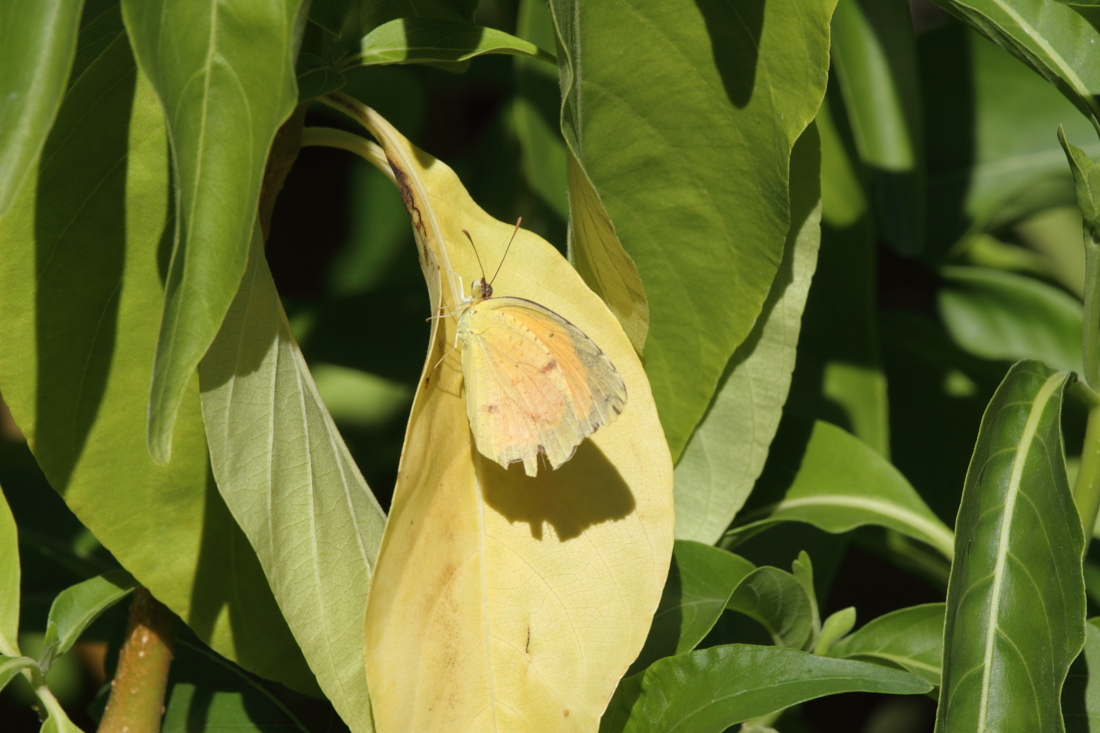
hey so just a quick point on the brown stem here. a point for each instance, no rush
(284, 151)
(136, 703)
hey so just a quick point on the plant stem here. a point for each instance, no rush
(1086, 492)
(1091, 325)
(137, 692)
(331, 137)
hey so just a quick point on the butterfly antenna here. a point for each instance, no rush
(518, 222)
(476, 254)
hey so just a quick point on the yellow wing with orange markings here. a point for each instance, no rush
(535, 383)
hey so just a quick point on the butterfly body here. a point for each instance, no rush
(535, 383)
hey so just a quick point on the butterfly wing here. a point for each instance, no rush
(534, 382)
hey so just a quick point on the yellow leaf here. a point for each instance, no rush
(502, 602)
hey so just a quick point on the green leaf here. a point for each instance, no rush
(316, 78)
(835, 627)
(1051, 38)
(875, 58)
(11, 666)
(1089, 9)
(95, 36)
(427, 40)
(820, 474)
(705, 223)
(37, 46)
(726, 454)
(700, 582)
(1016, 597)
(75, 609)
(57, 720)
(712, 689)
(225, 77)
(81, 290)
(9, 581)
(1001, 315)
(910, 638)
(1086, 175)
(780, 603)
(290, 482)
(1081, 695)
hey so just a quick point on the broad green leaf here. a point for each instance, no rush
(780, 603)
(78, 358)
(225, 77)
(536, 111)
(834, 628)
(699, 199)
(316, 77)
(1081, 695)
(910, 638)
(1001, 315)
(290, 482)
(37, 46)
(707, 691)
(56, 721)
(820, 474)
(875, 60)
(11, 666)
(1050, 37)
(431, 40)
(726, 454)
(9, 581)
(1016, 597)
(75, 609)
(358, 398)
(95, 36)
(700, 582)
(992, 150)
(497, 596)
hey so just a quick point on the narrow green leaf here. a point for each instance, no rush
(700, 582)
(875, 58)
(835, 627)
(1016, 597)
(726, 454)
(705, 223)
(9, 581)
(225, 77)
(426, 40)
(37, 45)
(76, 607)
(780, 603)
(1081, 695)
(290, 482)
(709, 690)
(1001, 315)
(803, 571)
(78, 358)
(910, 638)
(1086, 175)
(11, 666)
(1050, 37)
(820, 474)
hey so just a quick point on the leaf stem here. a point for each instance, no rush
(330, 137)
(1086, 492)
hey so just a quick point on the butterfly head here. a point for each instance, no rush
(480, 290)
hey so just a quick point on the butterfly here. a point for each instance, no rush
(535, 383)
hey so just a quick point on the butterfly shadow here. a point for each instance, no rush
(587, 490)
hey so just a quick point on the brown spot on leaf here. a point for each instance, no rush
(549, 367)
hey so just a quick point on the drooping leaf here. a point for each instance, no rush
(707, 691)
(726, 454)
(78, 358)
(820, 474)
(477, 609)
(1050, 37)
(875, 60)
(911, 638)
(1001, 315)
(1016, 598)
(290, 482)
(11, 666)
(705, 223)
(780, 603)
(432, 40)
(9, 581)
(76, 607)
(700, 582)
(225, 77)
(37, 45)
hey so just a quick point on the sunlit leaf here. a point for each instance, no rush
(76, 607)
(1016, 598)
(425, 40)
(726, 454)
(9, 581)
(498, 596)
(290, 482)
(691, 161)
(225, 77)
